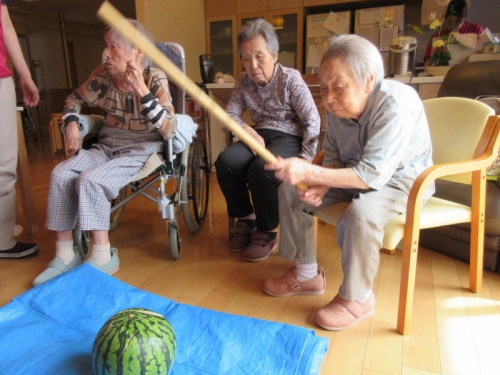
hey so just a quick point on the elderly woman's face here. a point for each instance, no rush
(340, 92)
(117, 55)
(257, 60)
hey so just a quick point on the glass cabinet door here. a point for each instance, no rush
(221, 44)
(289, 27)
(286, 29)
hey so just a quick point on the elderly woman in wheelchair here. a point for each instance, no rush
(139, 117)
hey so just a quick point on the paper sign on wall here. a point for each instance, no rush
(315, 28)
(387, 33)
(336, 23)
(314, 55)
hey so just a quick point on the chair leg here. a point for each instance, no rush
(390, 252)
(477, 231)
(316, 221)
(407, 286)
(230, 222)
(476, 265)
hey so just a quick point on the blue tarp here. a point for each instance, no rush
(50, 330)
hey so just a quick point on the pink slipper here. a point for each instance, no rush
(341, 314)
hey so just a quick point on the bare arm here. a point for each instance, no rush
(30, 91)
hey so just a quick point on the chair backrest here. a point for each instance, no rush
(175, 52)
(312, 82)
(207, 70)
(455, 125)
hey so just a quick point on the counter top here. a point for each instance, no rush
(402, 79)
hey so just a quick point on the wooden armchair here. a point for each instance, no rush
(465, 139)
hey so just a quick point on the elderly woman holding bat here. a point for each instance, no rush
(138, 116)
(377, 142)
(287, 123)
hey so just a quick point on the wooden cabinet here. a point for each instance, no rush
(284, 4)
(221, 43)
(246, 6)
(428, 90)
(223, 19)
(215, 8)
(311, 3)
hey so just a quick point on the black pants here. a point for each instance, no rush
(241, 173)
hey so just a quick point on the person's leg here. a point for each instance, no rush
(360, 233)
(263, 186)
(231, 168)
(9, 247)
(297, 243)
(95, 188)
(62, 205)
(62, 211)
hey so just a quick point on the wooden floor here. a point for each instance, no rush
(454, 331)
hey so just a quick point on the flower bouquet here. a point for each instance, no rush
(440, 54)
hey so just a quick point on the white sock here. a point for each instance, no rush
(306, 271)
(64, 250)
(101, 254)
(365, 298)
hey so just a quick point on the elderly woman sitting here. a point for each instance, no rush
(287, 123)
(377, 142)
(139, 116)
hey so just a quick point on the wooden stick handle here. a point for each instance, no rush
(113, 18)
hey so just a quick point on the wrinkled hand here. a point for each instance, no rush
(313, 195)
(133, 75)
(73, 138)
(31, 95)
(291, 170)
(294, 171)
(254, 134)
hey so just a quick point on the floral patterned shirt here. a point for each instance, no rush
(285, 104)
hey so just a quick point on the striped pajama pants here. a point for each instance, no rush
(82, 186)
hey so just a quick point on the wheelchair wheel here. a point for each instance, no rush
(81, 240)
(175, 242)
(196, 185)
(115, 216)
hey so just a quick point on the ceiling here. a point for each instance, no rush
(77, 10)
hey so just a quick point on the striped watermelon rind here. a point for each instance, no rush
(134, 341)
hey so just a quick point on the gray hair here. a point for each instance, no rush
(124, 42)
(361, 55)
(257, 27)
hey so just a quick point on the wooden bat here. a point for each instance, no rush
(112, 17)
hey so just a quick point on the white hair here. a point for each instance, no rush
(361, 55)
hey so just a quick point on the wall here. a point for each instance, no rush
(485, 13)
(182, 22)
(45, 46)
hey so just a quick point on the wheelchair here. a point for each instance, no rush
(189, 170)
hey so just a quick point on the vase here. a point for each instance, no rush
(437, 70)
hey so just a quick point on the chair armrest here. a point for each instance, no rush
(487, 147)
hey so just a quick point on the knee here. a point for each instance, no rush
(62, 176)
(221, 161)
(85, 179)
(358, 214)
(259, 175)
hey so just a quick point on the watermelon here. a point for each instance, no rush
(134, 341)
